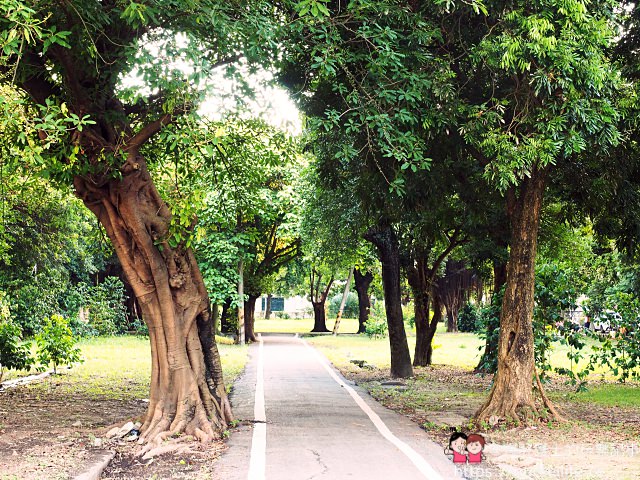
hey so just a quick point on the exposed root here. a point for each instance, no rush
(547, 403)
(161, 450)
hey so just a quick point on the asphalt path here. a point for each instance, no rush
(301, 420)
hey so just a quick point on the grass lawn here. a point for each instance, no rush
(302, 325)
(54, 422)
(120, 367)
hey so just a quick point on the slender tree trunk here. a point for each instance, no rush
(511, 396)
(452, 319)
(187, 390)
(433, 326)
(249, 318)
(499, 276)
(345, 294)
(320, 316)
(267, 308)
(225, 324)
(241, 318)
(386, 242)
(361, 285)
(421, 317)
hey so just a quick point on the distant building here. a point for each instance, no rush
(291, 307)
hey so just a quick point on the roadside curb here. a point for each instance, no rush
(94, 472)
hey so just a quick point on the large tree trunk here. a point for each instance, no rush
(250, 318)
(361, 285)
(320, 316)
(386, 242)
(187, 390)
(511, 396)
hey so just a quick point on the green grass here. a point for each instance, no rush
(461, 349)
(302, 325)
(611, 395)
(120, 367)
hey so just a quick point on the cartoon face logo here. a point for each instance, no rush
(458, 445)
(475, 445)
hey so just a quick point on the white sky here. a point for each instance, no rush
(269, 101)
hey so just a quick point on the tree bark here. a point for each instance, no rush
(267, 308)
(250, 317)
(187, 389)
(511, 397)
(318, 299)
(362, 282)
(386, 242)
(319, 317)
(433, 326)
(420, 280)
(452, 320)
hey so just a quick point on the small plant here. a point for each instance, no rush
(376, 327)
(56, 344)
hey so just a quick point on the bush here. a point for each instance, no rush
(56, 344)
(469, 319)
(350, 307)
(376, 325)
(105, 307)
(34, 302)
(14, 355)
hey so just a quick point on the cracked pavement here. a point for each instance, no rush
(315, 430)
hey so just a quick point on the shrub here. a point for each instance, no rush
(376, 325)
(105, 308)
(469, 319)
(56, 344)
(350, 307)
(34, 302)
(14, 355)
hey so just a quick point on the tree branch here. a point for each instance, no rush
(148, 131)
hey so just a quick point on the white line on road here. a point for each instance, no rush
(417, 459)
(257, 464)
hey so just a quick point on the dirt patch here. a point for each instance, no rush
(599, 442)
(46, 432)
(197, 463)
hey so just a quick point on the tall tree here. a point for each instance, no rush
(84, 127)
(252, 208)
(540, 90)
